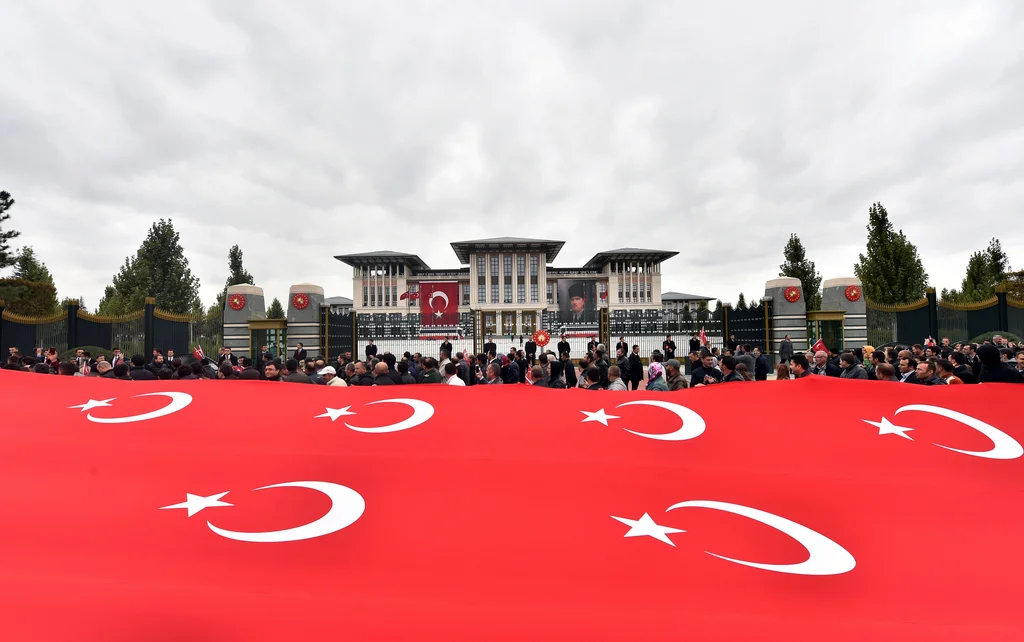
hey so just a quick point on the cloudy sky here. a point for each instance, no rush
(302, 130)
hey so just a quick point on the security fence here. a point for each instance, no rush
(927, 317)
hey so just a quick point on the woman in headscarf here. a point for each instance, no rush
(656, 377)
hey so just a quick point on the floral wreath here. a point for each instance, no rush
(542, 337)
(236, 301)
(300, 301)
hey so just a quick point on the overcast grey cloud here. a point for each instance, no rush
(307, 129)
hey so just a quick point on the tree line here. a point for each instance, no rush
(159, 268)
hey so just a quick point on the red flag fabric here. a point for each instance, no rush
(819, 346)
(198, 353)
(389, 513)
(404, 296)
(703, 337)
(439, 303)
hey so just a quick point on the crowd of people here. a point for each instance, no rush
(925, 364)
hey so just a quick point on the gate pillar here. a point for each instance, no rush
(304, 302)
(251, 305)
(789, 315)
(846, 294)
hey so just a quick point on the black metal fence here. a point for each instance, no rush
(959, 322)
(135, 333)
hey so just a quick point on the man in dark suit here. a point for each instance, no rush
(116, 359)
(531, 351)
(668, 346)
(694, 344)
(625, 349)
(592, 344)
(300, 353)
(563, 346)
(371, 350)
(578, 311)
(636, 367)
(446, 346)
(490, 346)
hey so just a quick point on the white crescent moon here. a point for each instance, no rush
(826, 557)
(179, 400)
(421, 412)
(693, 424)
(444, 296)
(346, 507)
(1003, 446)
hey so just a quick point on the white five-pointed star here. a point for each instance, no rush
(195, 503)
(886, 427)
(646, 526)
(93, 403)
(597, 416)
(438, 314)
(334, 413)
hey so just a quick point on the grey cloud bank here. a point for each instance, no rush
(304, 130)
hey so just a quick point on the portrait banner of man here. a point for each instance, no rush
(577, 302)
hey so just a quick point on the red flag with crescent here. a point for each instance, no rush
(439, 303)
(435, 512)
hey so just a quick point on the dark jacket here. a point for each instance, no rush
(698, 374)
(636, 368)
(993, 370)
(530, 349)
(624, 367)
(300, 354)
(447, 347)
(856, 371)
(407, 378)
(490, 347)
(139, 373)
(510, 374)
(761, 368)
(297, 377)
(785, 350)
(570, 373)
(624, 346)
(830, 370)
(732, 376)
(383, 380)
(965, 374)
(371, 351)
(563, 346)
(932, 381)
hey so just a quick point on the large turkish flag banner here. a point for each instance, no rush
(439, 303)
(248, 510)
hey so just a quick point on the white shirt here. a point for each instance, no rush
(454, 380)
(337, 381)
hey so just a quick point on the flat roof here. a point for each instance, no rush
(628, 254)
(372, 258)
(549, 247)
(682, 296)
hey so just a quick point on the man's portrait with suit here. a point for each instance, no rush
(577, 301)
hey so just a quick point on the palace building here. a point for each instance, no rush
(511, 283)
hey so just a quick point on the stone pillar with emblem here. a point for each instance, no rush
(845, 294)
(244, 303)
(304, 301)
(789, 312)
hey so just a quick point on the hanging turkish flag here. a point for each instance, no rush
(439, 303)
(384, 514)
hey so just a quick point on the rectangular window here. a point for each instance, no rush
(533, 265)
(551, 293)
(520, 292)
(465, 294)
(521, 265)
(401, 269)
(365, 295)
(494, 267)
(387, 296)
(494, 293)
(634, 293)
(602, 292)
(481, 293)
(649, 299)
(508, 293)
(627, 294)
(394, 294)
(620, 292)
(373, 297)
(508, 266)
(534, 297)
(481, 267)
